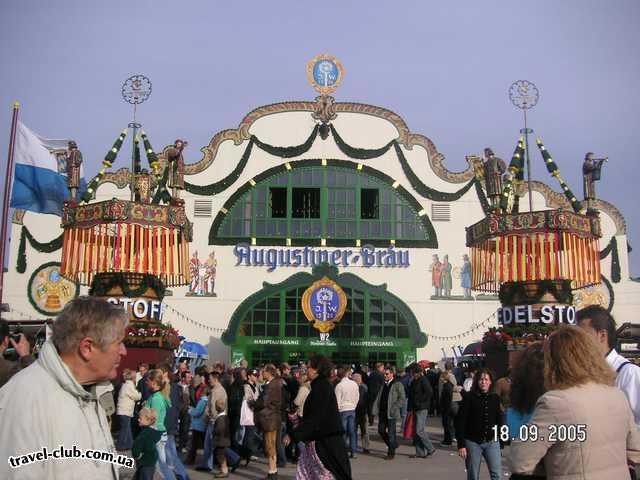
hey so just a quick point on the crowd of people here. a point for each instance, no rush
(569, 409)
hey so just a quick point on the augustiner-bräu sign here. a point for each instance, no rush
(547, 314)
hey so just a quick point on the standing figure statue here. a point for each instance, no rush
(436, 276)
(446, 282)
(194, 270)
(210, 275)
(176, 168)
(465, 276)
(494, 168)
(74, 163)
(591, 172)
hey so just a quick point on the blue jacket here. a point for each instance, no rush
(198, 419)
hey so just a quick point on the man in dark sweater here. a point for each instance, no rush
(374, 384)
(420, 395)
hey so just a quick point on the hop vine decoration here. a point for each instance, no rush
(106, 163)
(516, 175)
(151, 156)
(553, 169)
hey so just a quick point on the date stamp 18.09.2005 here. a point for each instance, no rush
(553, 433)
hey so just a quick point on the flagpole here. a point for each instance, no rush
(7, 195)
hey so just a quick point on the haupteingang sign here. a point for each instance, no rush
(366, 256)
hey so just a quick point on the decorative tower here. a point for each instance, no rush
(534, 260)
(129, 251)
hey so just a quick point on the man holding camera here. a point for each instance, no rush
(18, 341)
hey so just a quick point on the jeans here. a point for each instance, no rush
(387, 430)
(207, 458)
(361, 423)
(232, 457)
(173, 459)
(349, 427)
(447, 423)
(491, 453)
(161, 447)
(125, 437)
(421, 438)
(145, 473)
(183, 434)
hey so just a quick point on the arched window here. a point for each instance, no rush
(334, 202)
(367, 316)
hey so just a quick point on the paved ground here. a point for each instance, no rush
(444, 465)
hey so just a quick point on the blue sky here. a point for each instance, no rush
(445, 67)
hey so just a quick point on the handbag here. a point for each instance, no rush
(246, 415)
(409, 426)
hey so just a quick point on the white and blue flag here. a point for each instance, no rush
(40, 180)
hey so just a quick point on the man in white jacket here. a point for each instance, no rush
(348, 394)
(53, 403)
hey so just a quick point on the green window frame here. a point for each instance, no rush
(249, 215)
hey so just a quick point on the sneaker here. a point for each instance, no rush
(431, 453)
(390, 457)
(221, 475)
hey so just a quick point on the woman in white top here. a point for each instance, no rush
(127, 399)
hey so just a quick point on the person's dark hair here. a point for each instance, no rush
(343, 371)
(205, 377)
(184, 374)
(215, 374)
(527, 384)
(201, 370)
(391, 368)
(475, 387)
(322, 365)
(237, 376)
(601, 319)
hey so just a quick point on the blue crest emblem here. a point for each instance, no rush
(324, 304)
(325, 73)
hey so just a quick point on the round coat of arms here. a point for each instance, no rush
(325, 73)
(49, 291)
(324, 304)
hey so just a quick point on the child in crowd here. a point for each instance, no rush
(221, 437)
(144, 446)
(198, 426)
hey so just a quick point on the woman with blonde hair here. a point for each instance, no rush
(582, 427)
(160, 402)
(127, 398)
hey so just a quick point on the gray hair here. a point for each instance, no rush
(87, 317)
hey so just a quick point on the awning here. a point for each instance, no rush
(192, 350)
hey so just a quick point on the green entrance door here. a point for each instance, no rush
(377, 326)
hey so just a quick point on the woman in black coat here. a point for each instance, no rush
(324, 454)
(478, 425)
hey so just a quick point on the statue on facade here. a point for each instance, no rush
(591, 172)
(142, 186)
(176, 168)
(446, 279)
(436, 276)
(74, 163)
(494, 168)
(465, 276)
